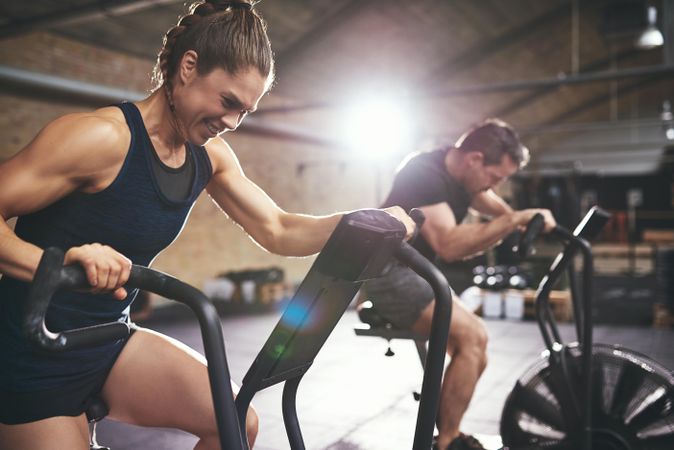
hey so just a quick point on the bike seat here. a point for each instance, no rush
(96, 409)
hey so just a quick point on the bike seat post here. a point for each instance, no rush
(93, 443)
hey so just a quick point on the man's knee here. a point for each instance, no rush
(471, 340)
(481, 338)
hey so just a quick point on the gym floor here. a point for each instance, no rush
(354, 397)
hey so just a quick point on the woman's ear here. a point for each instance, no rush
(188, 66)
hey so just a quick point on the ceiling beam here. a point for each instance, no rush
(349, 9)
(599, 99)
(478, 53)
(533, 96)
(101, 9)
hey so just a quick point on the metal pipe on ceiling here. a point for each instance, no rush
(668, 31)
(517, 85)
(84, 13)
(561, 80)
(88, 93)
(627, 124)
(91, 94)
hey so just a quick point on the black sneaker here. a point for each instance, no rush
(465, 442)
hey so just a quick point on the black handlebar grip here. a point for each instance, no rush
(534, 228)
(419, 218)
(51, 276)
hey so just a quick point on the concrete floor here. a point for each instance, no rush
(354, 397)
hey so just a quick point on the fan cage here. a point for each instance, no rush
(626, 382)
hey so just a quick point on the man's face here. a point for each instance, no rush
(481, 177)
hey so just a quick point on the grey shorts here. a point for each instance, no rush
(399, 296)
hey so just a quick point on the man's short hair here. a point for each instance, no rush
(494, 138)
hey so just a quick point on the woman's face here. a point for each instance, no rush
(210, 104)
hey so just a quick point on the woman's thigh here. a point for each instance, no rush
(160, 382)
(55, 433)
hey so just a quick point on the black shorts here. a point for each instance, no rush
(400, 295)
(70, 399)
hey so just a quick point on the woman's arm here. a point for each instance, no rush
(74, 152)
(265, 222)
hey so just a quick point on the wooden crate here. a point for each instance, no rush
(560, 301)
(662, 316)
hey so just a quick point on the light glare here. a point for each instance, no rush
(377, 127)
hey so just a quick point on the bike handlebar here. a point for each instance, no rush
(533, 230)
(51, 276)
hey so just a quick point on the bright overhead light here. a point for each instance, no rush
(376, 127)
(651, 37)
(667, 120)
(669, 133)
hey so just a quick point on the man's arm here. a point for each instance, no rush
(490, 204)
(452, 241)
(266, 223)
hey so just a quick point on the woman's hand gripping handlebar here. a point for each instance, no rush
(419, 218)
(51, 276)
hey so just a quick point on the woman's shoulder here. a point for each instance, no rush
(221, 155)
(103, 132)
(108, 122)
(83, 146)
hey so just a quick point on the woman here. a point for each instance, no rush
(114, 187)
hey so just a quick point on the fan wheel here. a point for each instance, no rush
(632, 404)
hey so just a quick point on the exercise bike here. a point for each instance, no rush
(51, 276)
(360, 248)
(584, 395)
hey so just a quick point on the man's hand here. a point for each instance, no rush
(107, 270)
(524, 216)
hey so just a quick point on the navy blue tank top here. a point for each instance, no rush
(131, 216)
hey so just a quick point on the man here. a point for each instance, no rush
(445, 184)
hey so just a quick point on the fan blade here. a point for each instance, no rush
(658, 410)
(539, 407)
(598, 387)
(629, 382)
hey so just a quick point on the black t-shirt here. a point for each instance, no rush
(424, 180)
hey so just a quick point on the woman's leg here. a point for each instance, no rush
(55, 433)
(160, 382)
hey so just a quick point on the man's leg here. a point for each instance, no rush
(467, 346)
